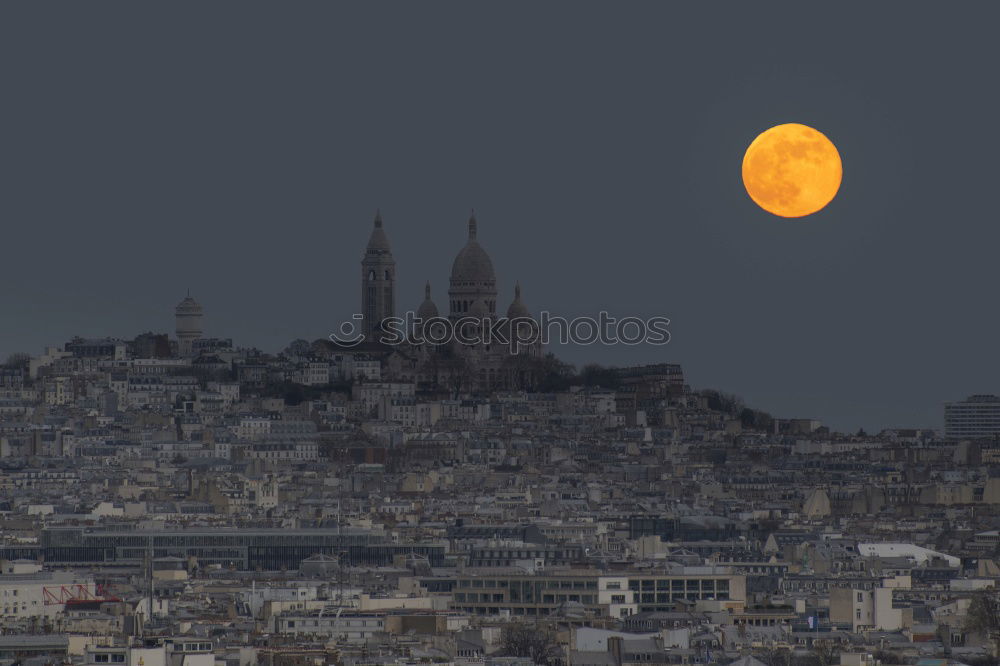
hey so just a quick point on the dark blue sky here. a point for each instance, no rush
(241, 149)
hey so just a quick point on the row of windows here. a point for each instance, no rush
(528, 584)
(116, 658)
(463, 306)
(192, 647)
(214, 540)
(667, 597)
(485, 598)
(517, 554)
(679, 584)
(517, 610)
(333, 624)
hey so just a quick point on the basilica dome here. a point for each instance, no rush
(472, 265)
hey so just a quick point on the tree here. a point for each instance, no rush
(983, 616)
(551, 374)
(459, 373)
(776, 657)
(722, 402)
(827, 651)
(18, 360)
(597, 375)
(887, 657)
(753, 419)
(535, 642)
(297, 348)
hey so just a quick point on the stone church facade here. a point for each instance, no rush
(470, 359)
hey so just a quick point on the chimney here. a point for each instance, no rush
(615, 648)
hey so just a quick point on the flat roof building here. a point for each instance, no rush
(244, 549)
(976, 417)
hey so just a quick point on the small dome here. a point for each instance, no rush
(427, 309)
(472, 263)
(517, 308)
(188, 306)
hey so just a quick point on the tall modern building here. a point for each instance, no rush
(378, 281)
(976, 417)
(188, 316)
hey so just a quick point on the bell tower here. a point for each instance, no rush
(378, 281)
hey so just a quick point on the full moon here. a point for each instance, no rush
(792, 170)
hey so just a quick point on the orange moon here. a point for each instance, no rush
(792, 170)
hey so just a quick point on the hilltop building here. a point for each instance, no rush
(456, 352)
(188, 315)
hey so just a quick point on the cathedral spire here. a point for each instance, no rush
(472, 225)
(427, 290)
(378, 218)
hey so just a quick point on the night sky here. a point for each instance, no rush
(240, 150)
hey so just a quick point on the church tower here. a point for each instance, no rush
(378, 281)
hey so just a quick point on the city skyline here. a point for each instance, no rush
(574, 353)
(610, 172)
(576, 333)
